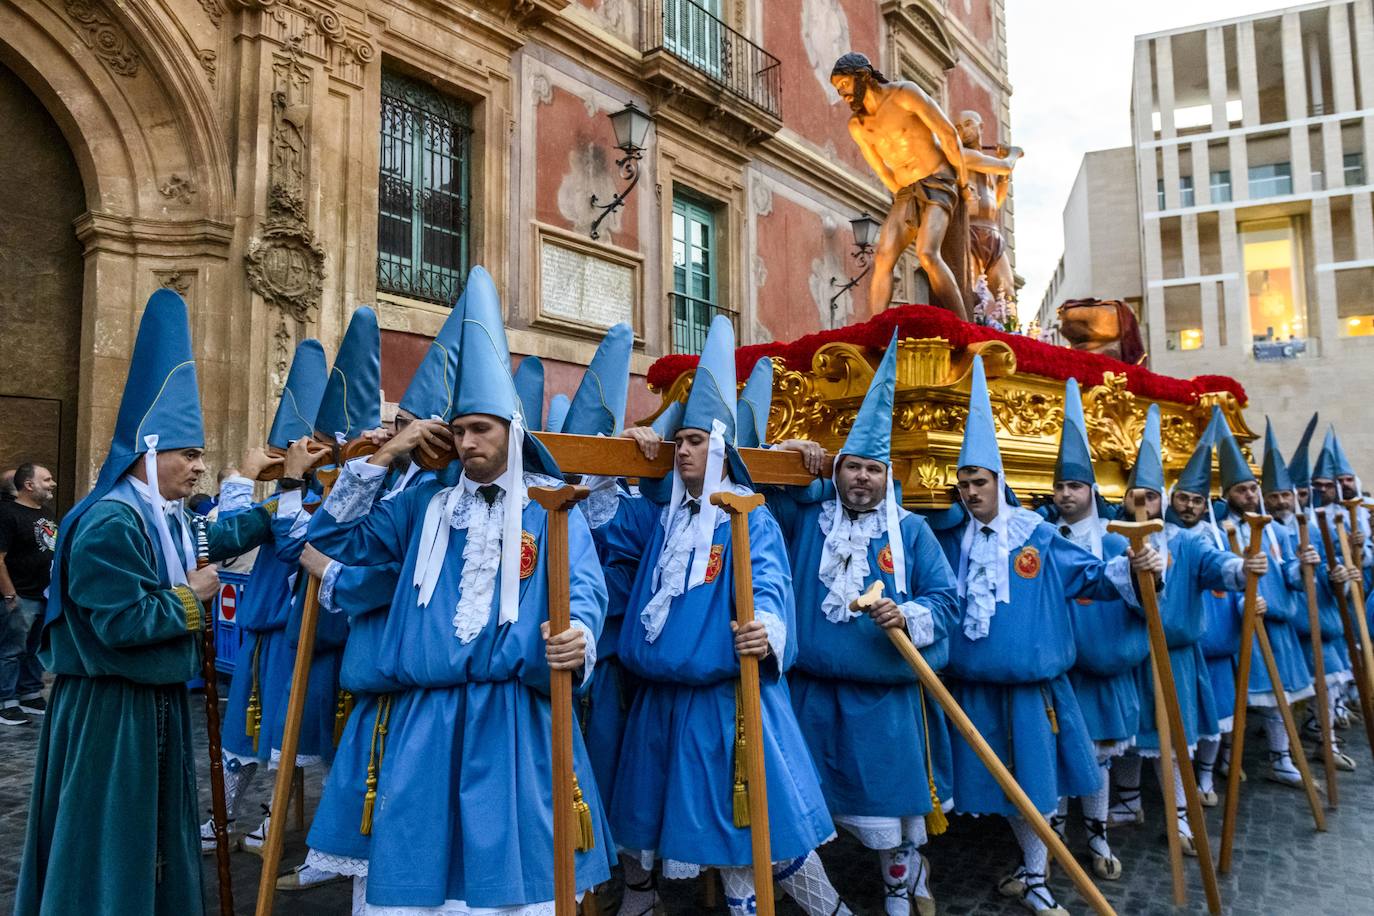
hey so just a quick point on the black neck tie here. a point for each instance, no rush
(987, 529)
(1065, 530)
(489, 492)
(693, 506)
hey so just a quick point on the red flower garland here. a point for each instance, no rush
(1032, 356)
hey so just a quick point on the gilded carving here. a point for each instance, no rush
(929, 475)
(1115, 421)
(104, 37)
(1026, 413)
(929, 416)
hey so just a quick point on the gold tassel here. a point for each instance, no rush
(253, 717)
(741, 793)
(374, 761)
(343, 704)
(936, 822)
(586, 835)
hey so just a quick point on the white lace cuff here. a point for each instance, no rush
(235, 494)
(289, 504)
(1235, 574)
(355, 490)
(1119, 574)
(600, 507)
(777, 634)
(920, 623)
(589, 661)
(327, 582)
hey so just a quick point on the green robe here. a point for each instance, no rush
(113, 826)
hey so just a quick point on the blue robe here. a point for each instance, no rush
(675, 779)
(268, 654)
(1112, 642)
(1013, 683)
(362, 595)
(1196, 568)
(1278, 587)
(466, 777)
(1335, 655)
(859, 704)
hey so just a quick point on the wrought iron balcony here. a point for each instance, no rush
(692, 319)
(687, 31)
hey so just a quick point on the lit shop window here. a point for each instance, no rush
(1273, 279)
(1359, 326)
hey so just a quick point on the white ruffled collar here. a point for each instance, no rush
(844, 556)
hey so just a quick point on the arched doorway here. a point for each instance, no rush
(41, 274)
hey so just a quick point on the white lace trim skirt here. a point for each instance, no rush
(1269, 700)
(448, 908)
(673, 869)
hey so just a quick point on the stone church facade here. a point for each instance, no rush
(281, 162)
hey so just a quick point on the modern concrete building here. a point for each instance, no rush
(1252, 137)
(281, 162)
(1101, 226)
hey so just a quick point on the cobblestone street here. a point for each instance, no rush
(1281, 864)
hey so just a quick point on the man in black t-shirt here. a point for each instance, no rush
(28, 534)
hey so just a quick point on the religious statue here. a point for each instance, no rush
(989, 180)
(914, 149)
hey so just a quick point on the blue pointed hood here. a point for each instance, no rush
(1326, 467)
(558, 413)
(980, 432)
(1148, 472)
(1274, 474)
(485, 382)
(1234, 468)
(1075, 457)
(1343, 465)
(754, 405)
(529, 386)
(598, 406)
(667, 423)
(352, 402)
(433, 389)
(159, 411)
(713, 384)
(300, 398)
(1197, 473)
(871, 435)
(1300, 464)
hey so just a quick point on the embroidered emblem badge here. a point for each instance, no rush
(1027, 562)
(885, 558)
(529, 554)
(1083, 601)
(1217, 593)
(713, 565)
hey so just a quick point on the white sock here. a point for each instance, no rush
(1034, 859)
(1274, 731)
(1206, 757)
(805, 881)
(1095, 814)
(1060, 818)
(739, 890)
(1180, 800)
(1126, 776)
(641, 890)
(896, 864)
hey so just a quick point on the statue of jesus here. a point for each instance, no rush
(914, 149)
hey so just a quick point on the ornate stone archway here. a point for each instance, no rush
(129, 94)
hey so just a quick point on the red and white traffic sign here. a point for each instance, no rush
(228, 599)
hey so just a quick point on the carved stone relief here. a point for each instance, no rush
(179, 188)
(103, 36)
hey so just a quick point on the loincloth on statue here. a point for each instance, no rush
(938, 190)
(985, 244)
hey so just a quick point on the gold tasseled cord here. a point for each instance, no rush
(374, 761)
(936, 822)
(741, 792)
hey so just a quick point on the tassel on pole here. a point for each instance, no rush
(374, 762)
(741, 792)
(586, 834)
(936, 822)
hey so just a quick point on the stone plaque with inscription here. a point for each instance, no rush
(582, 287)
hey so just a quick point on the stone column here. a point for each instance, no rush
(1154, 295)
(1249, 78)
(1362, 224)
(1202, 176)
(1211, 330)
(1164, 82)
(1342, 70)
(1326, 326)
(1192, 265)
(1217, 90)
(1236, 305)
(1295, 102)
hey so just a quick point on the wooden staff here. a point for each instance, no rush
(1253, 628)
(1169, 721)
(751, 702)
(291, 733)
(1356, 591)
(1015, 794)
(557, 501)
(219, 812)
(1357, 665)
(1318, 663)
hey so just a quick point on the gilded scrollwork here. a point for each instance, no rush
(929, 474)
(1115, 420)
(1021, 412)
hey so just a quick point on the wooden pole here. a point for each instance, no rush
(1015, 794)
(1261, 635)
(291, 733)
(1357, 593)
(1318, 662)
(557, 501)
(1247, 638)
(751, 701)
(1357, 665)
(1173, 739)
(219, 813)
